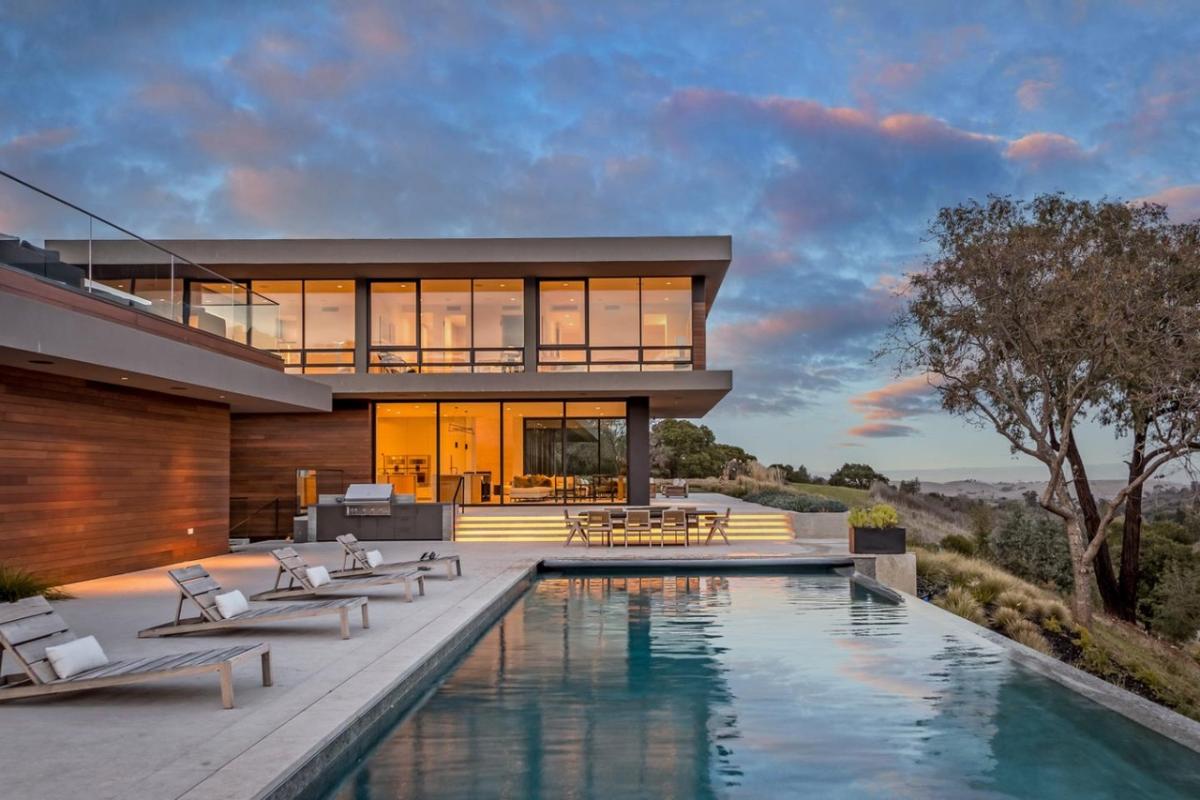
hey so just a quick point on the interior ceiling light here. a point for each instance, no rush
(40, 361)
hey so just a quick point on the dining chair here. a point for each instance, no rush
(600, 522)
(638, 521)
(674, 522)
(719, 527)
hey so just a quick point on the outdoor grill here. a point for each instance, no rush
(368, 500)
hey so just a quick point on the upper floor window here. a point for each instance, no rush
(312, 326)
(464, 325)
(615, 324)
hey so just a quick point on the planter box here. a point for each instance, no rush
(879, 541)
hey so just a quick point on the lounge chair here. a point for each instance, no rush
(299, 585)
(29, 626)
(355, 562)
(720, 527)
(676, 488)
(197, 585)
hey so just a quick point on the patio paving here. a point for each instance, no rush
(172, 739)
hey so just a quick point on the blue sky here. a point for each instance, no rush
(822, 138)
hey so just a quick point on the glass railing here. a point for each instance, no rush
(56, 240)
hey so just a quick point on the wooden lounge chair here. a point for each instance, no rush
(355, 563)
(675, 489)
(197, 585)
(574, 528)
(292, 565)
(637, 521)
(720, 527)
(29, 626)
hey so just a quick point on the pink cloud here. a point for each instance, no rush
(882, 408)
(375, 30)
(882, 430)
(264, 194)
(47, 139)
(1032, 93)
(1182, 202)
(1042, 149)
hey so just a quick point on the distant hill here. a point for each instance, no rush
(1013, 490)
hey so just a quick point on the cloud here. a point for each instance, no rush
(1031, 94)
(1041, 150)
(882, 430)
(882, 408)
(1182, 202)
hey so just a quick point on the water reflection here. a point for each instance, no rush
(751, 686)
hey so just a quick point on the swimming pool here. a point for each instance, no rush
(694, 686)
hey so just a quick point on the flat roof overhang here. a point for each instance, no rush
(672, 394)
(553, 257)
(91, 348)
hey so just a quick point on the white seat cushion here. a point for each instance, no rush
(231, 604)
(374, 558)
(75, 657)
(318, 576)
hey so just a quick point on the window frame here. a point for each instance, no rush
(589, 363)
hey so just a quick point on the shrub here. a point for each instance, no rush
(958, 600)
(1014, 599)
(793, 501)
(987, 588)
(1027, 634)
(17, 583)
(1043, 609)
(880, 515)
(1033, 546)
(957, 543)
(1006, 617)
(1175, 604)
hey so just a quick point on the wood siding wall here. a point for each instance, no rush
(267, 449)
(97, 480)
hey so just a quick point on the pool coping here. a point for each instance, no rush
(1158, 718)
(313, 766)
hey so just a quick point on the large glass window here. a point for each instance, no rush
(311, 327)
(493, 452)
(405, 447)
(394, 314)
(465, 325)
(613, 312)
(288, 331)
(629, 324)
(562, 312)
(470, 451)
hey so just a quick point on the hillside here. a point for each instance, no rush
(851, 497)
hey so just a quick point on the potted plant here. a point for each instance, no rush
(876, 530)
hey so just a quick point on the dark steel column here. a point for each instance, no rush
(531, 324)
(362, 326)
(637, 424)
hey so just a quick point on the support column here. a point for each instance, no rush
(637, 430)
(362, 326)
(531, 324)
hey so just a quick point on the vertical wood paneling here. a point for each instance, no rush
(267, 449)
(699, 356)
(96, 480)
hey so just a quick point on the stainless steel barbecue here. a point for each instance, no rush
(368, 500)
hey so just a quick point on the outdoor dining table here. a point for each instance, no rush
(694, 517)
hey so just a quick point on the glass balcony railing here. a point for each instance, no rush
(47, 236)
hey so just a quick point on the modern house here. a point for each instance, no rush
(149, 405)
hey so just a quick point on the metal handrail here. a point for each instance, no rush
(275, 526)
(217, 276)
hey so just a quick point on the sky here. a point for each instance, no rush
(822, 137)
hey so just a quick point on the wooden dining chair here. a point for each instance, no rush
(719, 527)
(638, 521)
(674, 522)
(599, 522)
(575, 528)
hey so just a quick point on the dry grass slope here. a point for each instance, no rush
(1114, 651)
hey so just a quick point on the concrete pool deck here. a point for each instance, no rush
(172, 739)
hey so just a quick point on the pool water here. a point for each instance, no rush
(753, 686)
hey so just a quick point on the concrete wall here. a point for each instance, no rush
(97, 480)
